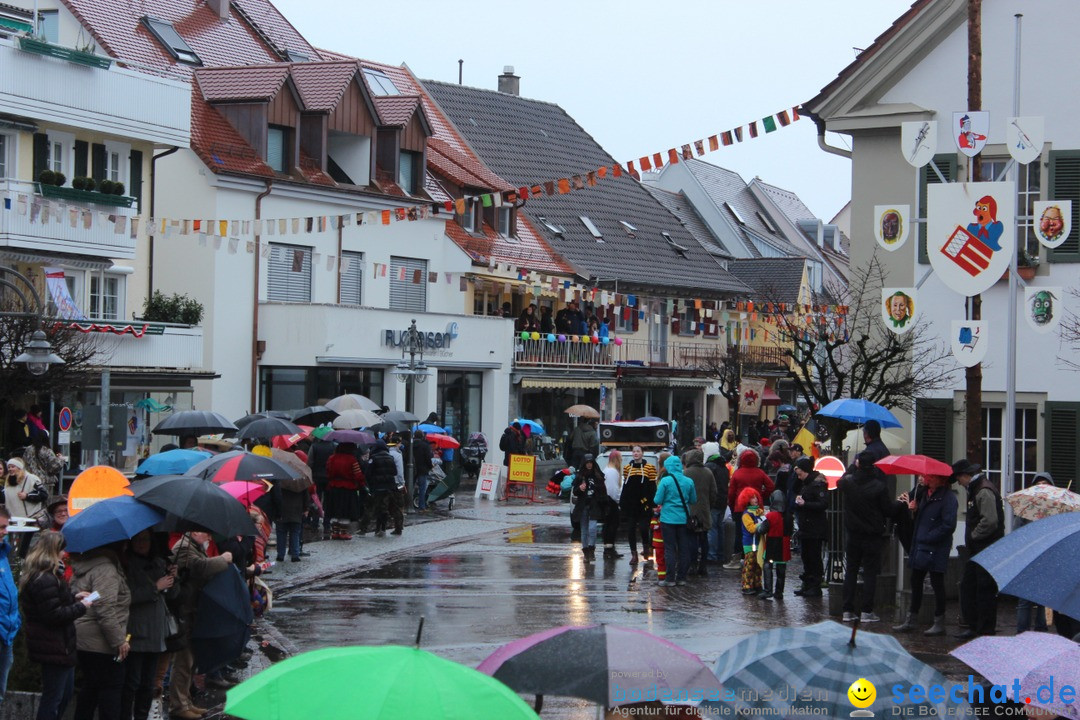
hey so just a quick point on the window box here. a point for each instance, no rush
(41, 47)
(85, 196)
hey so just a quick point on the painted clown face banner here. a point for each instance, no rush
(1025, 138)
(970, 233)
(891, 225)
(918, 141)
(969, 341)
(970, 130)
(898, 309)
(1041, 308)
(1053, 221)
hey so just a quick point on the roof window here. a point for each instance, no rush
(297, 57)
(674, 245)
(630, 229)
(552, 228)
(167, 36)
(734, 213)
(591, 227)
(766, 222)
(380, 83)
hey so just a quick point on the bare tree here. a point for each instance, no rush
(726, 367)
(1070, 332)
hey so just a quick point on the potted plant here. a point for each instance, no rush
(1026, 264)
(47, 177)
(118, 188)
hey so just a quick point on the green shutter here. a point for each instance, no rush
(1062, 421)
(947, 165)
(1065, 185)
(934, 428)
(135, 176)
(97, 162)
(82, 152)
(41, 154)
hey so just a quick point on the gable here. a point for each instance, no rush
(351, 114)
(413, 136)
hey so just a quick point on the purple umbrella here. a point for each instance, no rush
(1036, 659)
(606, 664)
(351, 436)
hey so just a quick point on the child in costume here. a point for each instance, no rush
(753, 520)
(777, 547)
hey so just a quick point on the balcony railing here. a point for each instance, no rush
(643, 353)
(163, 346)
(72, 227)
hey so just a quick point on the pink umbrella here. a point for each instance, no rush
(245, 492)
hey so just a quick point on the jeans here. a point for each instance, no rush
(716, 536)
(288, 535)
(639, 527)
(421, 490)
(139, 684)
(862, 551)
(588, 531)
(1023, 616)
(57, 687)
(678, 549)
(7, 658)
(102, 686)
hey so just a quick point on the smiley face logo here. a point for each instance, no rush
(862, 693)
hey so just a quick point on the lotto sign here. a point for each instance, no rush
(522, 468)
(970, 233)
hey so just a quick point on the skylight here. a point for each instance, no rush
(167, 36)
(591, 227)
(674, 245)
(554, 229)
(297, 57)
(380, 83)
(766, 222)
(734, 213)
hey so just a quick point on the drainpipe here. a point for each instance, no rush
(255, 299)
(821, 139)
(151, 234)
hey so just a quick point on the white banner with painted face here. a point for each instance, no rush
(970, 130)
(751, 393)
(970, 233)
(1053, 221)
(969, 341)
(918, 141)
(1042, 308)
(1024, 136)
(898, 309)
(891, 225)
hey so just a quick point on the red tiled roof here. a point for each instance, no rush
(276, 28)
(456, 167)
(528, 250)
(396, 110)
(322, 84)
(218, 144)
(248, 83)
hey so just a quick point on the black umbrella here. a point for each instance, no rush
(239, 465)
(313, 415)
(248, 419)
(194, 422)
(400, 416)
(194, 504)
(222, 620)
(388, 426)
(268, 427)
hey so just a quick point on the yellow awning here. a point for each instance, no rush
(561, 383)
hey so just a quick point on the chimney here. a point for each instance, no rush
(509, 83)
(221, 7)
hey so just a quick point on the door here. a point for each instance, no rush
(658, 333)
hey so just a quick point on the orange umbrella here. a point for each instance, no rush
(95, 484)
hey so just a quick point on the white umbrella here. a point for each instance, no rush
(353, 419)
(351, 401)
(893, 439)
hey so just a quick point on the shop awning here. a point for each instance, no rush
(16, 25)
(561, 383)
(666, 382)
(769, 397)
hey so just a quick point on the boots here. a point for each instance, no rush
(811, 588)
(938, 628)
(589, 553)
(610, 553)
(781, 580)
(908, 625)
(633, 558)
(767, 580)
(702, 571)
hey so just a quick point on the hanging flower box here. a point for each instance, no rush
(40, 47)
(84, 196)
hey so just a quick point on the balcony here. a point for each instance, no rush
(173, 347)
(642, 353)
(21, 227)
(67, 88)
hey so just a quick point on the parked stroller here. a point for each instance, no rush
(473, 453)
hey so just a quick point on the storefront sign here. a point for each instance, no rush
(432, 340)
(487, 484)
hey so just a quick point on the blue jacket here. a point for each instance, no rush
(9, 599)
(931, 538)
(672, 511)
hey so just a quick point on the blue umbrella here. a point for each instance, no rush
(859, 411)
(430, 428)
(172, 462)
(537, 428)
(222, 620)
(1038, 563)
(104, 522)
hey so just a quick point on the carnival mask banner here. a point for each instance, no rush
(971, 233)
(751, 392)
(1041, 308)
(898, 309)
(1053, 221)
(891, 225)
(1024, 136)
(918, 141)
(969, 341)
(970, 130)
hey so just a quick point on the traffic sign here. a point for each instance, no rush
(831, 468)
(64, 419)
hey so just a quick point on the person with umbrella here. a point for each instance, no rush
(422, 465)
(810, 506)
(866, 508)
(931, 542)
(320, 451)
(50, 609)
(152, 583)
(583, 441)
(101, 634)
(984, 523)
(288, 505)
(872, 437)
(1024, 607)
(195, 568)
(345, 482)
(386, 499)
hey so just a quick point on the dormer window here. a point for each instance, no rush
(296, 57)
(276, 148)
(166, 34)
(471, 219)
(409, 171)
(504, 219)
(380, 83)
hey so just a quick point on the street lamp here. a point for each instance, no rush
(411, 371)
(38, 355)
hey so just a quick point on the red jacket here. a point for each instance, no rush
(749, 475)
(344, 472)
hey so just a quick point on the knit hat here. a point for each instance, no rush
(710, 450)
(806, 464)
(18, 462)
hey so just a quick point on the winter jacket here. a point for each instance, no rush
(778, 536)
(639, 487)
(289, 506)
(104, 626)
(9, 599)
(704, 487)
(343, 471)
(931, 538)
(381, 470)
(421, 452)
(667, 494)
(36, 495)
(594, 498)
(867, 504)
(196, 569)
(722, 478)
(813, 523)
(985, 515)
(511, 443)
(751, 522)
(44, 463)
(748, 474)
(50, 609)
(318, 454)
(146, 619)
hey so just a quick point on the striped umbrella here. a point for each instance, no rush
(240, 465)
(796, 672)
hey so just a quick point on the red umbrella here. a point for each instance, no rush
(913, 465)
(284, 442)
(442, 441)
(245, 492)
(239, 465)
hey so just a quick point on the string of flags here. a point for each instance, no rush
(113, 329)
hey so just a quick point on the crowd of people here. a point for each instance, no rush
(569, 320)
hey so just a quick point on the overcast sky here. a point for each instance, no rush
(640, 76)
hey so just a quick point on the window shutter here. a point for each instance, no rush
(82, 151)
(404, 293)
(351, 279)
(934, 428)
(289, 273)
(97, 162)
(135, 176)
(1065, 185)
(947, 165)
(1062, 422)
(41, 154)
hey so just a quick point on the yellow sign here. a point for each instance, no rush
(522, 469)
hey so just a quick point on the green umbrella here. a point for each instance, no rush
(321, 431)
(373, 683)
